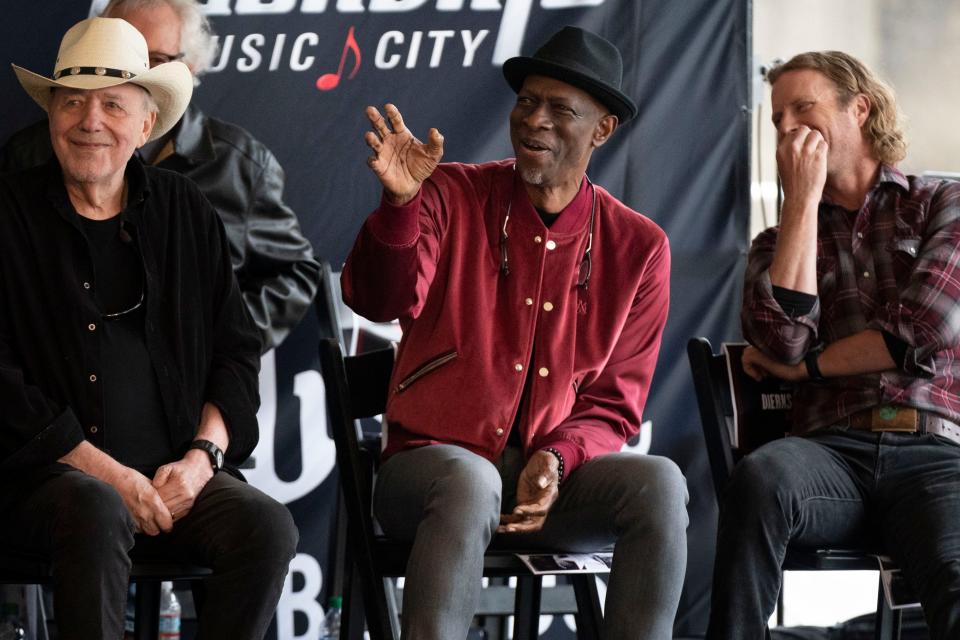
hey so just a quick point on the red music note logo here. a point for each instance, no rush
(329, 81)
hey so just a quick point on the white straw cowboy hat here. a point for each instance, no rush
(104, 52)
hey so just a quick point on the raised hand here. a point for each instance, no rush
(537, 490)
(400, 161)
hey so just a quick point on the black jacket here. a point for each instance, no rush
(200, 340)
(274, 263)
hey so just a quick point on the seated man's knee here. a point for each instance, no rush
(92, 519)
(761, 480)
(658, 488)
(469, 491)
(271, 535)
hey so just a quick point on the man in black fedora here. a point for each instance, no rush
(532, 304)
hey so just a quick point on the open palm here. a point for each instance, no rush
(400, 161)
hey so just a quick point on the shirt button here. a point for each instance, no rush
(93, 377)
(86, 285)
(518, 367)
(499, 431)
(528, 301)
(860, 234)
(91, 327)
(548, 306)
(866, 274)
(537, 239)
(93, 429)
(544, 372)
(551, 245)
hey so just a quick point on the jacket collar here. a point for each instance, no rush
(889, 173)
(572, 219)
(192, 140)
(137, 188)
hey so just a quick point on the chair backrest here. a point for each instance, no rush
(325, 305)
(716, 408)
(356, 387)
(737, 418)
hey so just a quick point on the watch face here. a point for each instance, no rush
(219, 456)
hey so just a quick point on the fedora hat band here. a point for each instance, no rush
(94, 71)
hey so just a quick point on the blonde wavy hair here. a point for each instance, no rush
(852, 77)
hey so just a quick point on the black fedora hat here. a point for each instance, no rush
(582, 59)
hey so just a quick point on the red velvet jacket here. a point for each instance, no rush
(469, 332)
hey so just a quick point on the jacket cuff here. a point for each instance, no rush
(896, 321)
(571, 453)
(396, 225)
(240, 418)
(56, 440)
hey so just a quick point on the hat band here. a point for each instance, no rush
(94, 71)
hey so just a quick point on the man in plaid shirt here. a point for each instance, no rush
(855, 298)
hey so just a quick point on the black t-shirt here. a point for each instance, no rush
(134, 426)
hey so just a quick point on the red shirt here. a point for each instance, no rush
(469, 332)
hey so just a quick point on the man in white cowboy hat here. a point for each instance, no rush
(532, 304)
(128, 363)
(274, 262)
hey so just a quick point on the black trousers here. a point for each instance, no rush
(82, 525)
(839, 488)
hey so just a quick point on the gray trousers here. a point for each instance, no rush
(448, 501)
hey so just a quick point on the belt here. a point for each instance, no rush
(893, 417)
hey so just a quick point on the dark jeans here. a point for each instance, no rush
(898, 492)
(82, 525)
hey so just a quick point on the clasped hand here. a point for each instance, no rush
(155, 505)
(759, 365)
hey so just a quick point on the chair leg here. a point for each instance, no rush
(199, 590)
(780, 612)
(352, 618)
(393, 608)
(146, 625)
(589, 612)
(379, 623)
(888, 620)
(526, 614)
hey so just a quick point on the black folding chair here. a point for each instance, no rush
(357, 388)
(19, 569)
(710, 379)
(325, 304)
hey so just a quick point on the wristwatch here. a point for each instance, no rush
(215, 453)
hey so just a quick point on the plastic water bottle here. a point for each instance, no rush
(331, 622)
(169, 613)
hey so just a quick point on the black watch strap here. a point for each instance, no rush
(813, 368)
(215, 453)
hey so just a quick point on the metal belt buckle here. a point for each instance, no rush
(890, 417)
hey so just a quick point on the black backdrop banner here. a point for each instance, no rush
(298, 74)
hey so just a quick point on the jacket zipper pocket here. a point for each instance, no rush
(424, 369)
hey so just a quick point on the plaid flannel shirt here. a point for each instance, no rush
(892, 266)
